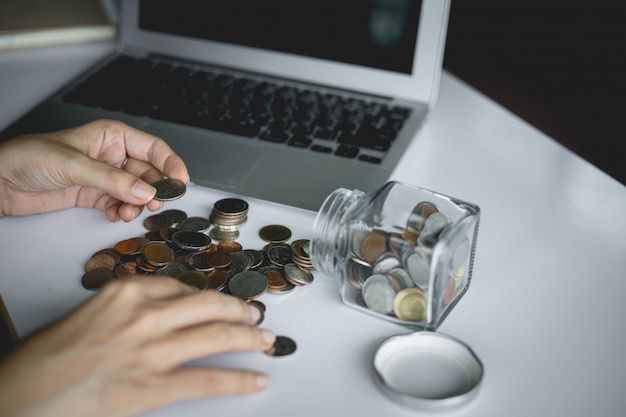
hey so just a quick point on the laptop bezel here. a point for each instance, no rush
(421, 86)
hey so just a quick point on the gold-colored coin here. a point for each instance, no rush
(410, 304)
(157, 254)
(275, 233)
(193, 278)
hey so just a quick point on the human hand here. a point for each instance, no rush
(120, 353)
(82, 167)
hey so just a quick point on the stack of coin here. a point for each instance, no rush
(393, 271)
(300, 254)
(226, 216)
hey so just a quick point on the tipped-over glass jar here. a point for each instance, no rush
(402, 252)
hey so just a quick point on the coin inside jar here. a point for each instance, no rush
(410, 304)
(169, 189)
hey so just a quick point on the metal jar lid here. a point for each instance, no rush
(427, 370)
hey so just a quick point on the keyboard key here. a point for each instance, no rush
(322, 149)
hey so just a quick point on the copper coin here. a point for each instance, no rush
(373, 246)
(127, 246)
(96, 278)
(109, 251)
(282, 346)
(157, 222)
(169, 189)
(275, 233)
(218, 259)
(102, 260)
(276, 281)
(449, 290)
(229, 246)
(126, 269)
(193, 278)
(157, 254)
(216, 279)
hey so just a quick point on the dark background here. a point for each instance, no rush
(560, 65)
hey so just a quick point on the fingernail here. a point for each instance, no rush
(268, 336)
(262, 381)
(255, 313)
(143, 191)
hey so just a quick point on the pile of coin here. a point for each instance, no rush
(182, 247)
(393, 270)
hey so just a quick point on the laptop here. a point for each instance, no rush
(279, 100)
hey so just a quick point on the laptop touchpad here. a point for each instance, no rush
(211, 158)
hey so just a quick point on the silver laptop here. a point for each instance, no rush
(280, 100)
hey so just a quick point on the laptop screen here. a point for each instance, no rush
(377, 34)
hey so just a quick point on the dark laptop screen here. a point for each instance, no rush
(371, 33)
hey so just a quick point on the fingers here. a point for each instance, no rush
(192, 343)
(199, 382)
(142, 146)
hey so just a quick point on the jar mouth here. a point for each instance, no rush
(329, 230)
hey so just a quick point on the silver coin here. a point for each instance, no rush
(197, 224)
(176, 216)
(191, 240)
(433, 225)
(240, 261)
(402, 275)
(257, 258)
(418, 267)
(283, 346)
(279, 254)
(169, 189)
(247, 284)
(386, 263)
(458, 262)
(172, 270)
(378, 294)
(231, 206)
(297, 275)
(221, 234)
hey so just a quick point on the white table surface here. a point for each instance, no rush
(544, 312)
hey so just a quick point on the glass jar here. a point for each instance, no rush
(402, 253)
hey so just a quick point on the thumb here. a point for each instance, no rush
(118, 183)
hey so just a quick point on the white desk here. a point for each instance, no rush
(544, 312)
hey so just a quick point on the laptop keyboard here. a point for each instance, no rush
(245, 106)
